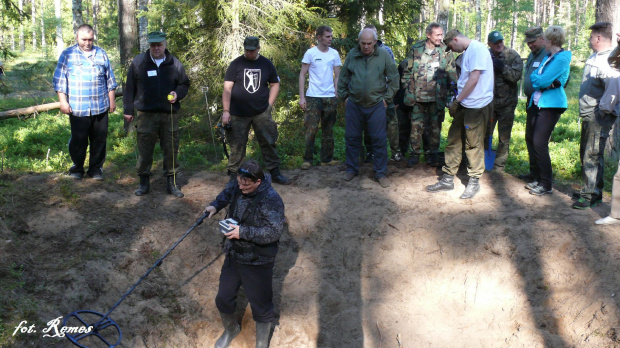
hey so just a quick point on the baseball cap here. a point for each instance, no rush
(156, 36)
(533, 33)
(449, 36)
(495, 36)
(251, 43)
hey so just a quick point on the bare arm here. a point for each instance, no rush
(336, 75)
(112, 97)
(471, 83)
(65, 108)
(302, 84)
(274, 89)
(228, 85)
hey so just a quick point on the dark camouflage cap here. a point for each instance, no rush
(451, 34)
(495, 36)
(251, 43)
(533, 33)
(156, 36)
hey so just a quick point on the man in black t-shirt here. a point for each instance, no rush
(251, 86)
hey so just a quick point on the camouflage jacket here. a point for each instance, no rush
(417, 75)
(506, 91)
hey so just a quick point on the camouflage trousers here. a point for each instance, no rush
(320, 112)
(504, 118)
(151, 127)
(266, 132)
(467, 132)
(391, 125)
(425, 125)
(594, 133)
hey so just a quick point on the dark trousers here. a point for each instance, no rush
(528, 137)
(85, 130)
(150, 128)
(543, 123)
(373, 119)
(257, 283)
(404, 127)
(594, 133)
(392, 128)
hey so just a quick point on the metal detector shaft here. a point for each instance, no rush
(205, 90)
(157, 263)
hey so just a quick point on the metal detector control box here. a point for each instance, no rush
(224, 228)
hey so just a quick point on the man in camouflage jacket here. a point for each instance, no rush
(426, 79)
(508, 68)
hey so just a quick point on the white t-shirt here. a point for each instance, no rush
(477, 57)
(321, 72)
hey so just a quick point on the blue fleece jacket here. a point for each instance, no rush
(558, 68)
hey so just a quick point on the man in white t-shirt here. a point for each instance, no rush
(323, 64)
(470, 111)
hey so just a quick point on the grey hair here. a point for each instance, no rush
(374, 34)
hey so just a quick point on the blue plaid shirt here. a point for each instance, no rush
(86, 82)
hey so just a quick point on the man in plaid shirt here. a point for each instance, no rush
(85, 85)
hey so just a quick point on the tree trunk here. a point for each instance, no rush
(443, 13)
(78, 20)
(43, 43)
(22, 45)
(515, 22)
(577, 22)
(34, 23)
(60, 45)
(551, 12)
(489, 18)
(127, 30)
(478, 20)
(96, 17)
(143, 24)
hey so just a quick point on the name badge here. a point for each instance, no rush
(434, 64)
(152, 73)
(535, 64)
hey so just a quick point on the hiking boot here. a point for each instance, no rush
(607, 221)
(172, 188)
(384, 181)
(539, 190)
(76, 176)
(330, 163)
(262, 334)
(531, 185)
(145, 185)
(473, 187)
(446, 183)
(278, 178)
(413, 160)
(348, 176)
(583, 203)
(306, 165)
(231, 330)
(397, 157)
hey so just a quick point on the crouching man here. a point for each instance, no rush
(250, 249)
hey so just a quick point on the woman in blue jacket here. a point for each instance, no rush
(547, 105)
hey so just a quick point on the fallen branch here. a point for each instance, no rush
(15, 113)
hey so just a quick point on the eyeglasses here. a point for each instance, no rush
(246, 174)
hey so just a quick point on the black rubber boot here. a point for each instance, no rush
(473, 187)
(172, 189)
(262, 334)
(231, 330)
(413, 160)
(145, 186)
(446, 183)
(278, 178)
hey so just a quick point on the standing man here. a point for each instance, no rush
(368, 81)
(251, 86)
(426, 79)
(156, 83)
(595, 124)
(85, 85)
(323, 65)
(470, 111)
(507, 68)
(536, 43)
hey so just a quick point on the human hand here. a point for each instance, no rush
(209, 211)
(454, 107)
(302, 103)
(385, 104)
(234, 234)
(225, 118)
(174, 97)
(65, 108)
(128, 118)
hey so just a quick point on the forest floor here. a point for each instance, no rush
(359, 266)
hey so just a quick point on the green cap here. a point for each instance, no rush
(533, 33)
(495, 36)
(251, 43)
(449, 36)
(156, 36)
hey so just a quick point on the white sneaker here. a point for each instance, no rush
(607, 221)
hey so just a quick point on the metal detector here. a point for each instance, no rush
(205, 90)
(101, 325)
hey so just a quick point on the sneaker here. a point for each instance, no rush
(397, 157)
(330, 163)
(76, 176)
(583, 203)
(306, 165)
(531, 185)
(97, 176)
(539, 191)
(384, 181)
(607, 221)
(348, 176)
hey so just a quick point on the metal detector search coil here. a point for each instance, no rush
(224, 228)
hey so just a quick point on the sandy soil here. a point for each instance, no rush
(360, 266)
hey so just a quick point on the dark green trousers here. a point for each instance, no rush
(150, 128)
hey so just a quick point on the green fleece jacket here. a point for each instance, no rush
(368, 80)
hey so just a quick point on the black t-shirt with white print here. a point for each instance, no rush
(250, 93)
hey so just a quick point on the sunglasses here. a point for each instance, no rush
(246, 174)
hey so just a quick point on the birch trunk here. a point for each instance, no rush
(60, 45)
(78, 19)
(43, 43)
(143, 25)
(34, 22)
(22, 45)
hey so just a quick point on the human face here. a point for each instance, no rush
(436, 36)
(84, 39)
(158, 49)
(455, 45)
(537, 44)
(325, 39)
(367, 43)
(595, 41)
(246, 185)
(251, 54)
(497, 47)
